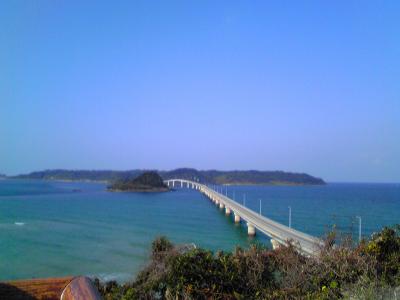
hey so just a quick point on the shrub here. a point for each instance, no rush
(384, 248)
(338, 271)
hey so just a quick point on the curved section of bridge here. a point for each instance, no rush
(280, 234)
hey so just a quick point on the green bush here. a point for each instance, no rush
(384, 248)
(260, 273)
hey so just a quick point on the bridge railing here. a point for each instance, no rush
(279, 232)
(275, 230)
(255, 216)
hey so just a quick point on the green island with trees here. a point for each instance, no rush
(146, 182)
(368, 270)
(247, 177)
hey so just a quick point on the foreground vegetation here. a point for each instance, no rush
(370, 270)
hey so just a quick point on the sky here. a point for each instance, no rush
(302, 86)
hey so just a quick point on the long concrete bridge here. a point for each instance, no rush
(280, 234)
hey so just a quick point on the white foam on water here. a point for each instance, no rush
(19, 223)
(119, 277)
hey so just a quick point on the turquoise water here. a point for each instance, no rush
(52, 228)
(315, 209)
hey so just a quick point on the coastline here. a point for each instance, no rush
(59, 180)
(156, 190)
(227, 177)
(224, 184)
(270, 184)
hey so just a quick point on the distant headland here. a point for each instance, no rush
(147, 182)
(249, 177)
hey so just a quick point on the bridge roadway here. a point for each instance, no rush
(280, 234)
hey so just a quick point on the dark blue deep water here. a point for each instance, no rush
(50, 228)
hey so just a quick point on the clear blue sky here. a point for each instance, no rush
(309, 86)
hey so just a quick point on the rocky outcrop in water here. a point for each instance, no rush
(147, 182)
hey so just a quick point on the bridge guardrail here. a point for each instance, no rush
(281, 233)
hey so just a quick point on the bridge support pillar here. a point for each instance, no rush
(181, 184)
(275, 244)
(251, 230)
(237, 218)
(221, 205)
(227, 211)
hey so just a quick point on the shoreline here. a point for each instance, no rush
(271, 184)
(157, 190)
(224, 184)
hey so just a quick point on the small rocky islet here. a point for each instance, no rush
(146, 182)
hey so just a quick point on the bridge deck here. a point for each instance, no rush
(281, 233)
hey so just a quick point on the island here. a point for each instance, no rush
(146, 182)
(234, 177)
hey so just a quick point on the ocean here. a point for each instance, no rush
(52, 228)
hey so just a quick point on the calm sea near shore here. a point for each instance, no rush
(50, 228)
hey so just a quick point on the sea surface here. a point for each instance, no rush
(50, 228)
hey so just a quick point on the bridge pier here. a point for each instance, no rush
(251, 230)
(242, 214)
(237, 218)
